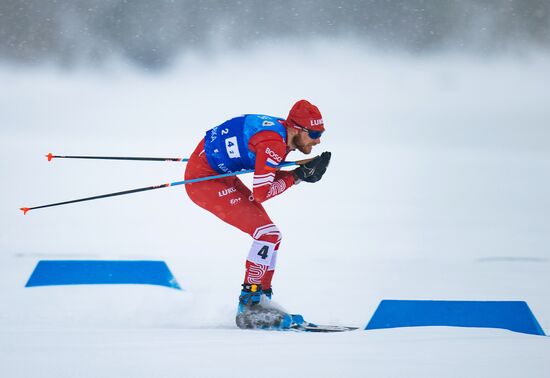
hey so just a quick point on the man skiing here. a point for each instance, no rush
(261, 143)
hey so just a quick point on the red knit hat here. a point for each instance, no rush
(306, 115)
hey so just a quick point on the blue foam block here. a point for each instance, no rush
(91, 272)
(513, 315)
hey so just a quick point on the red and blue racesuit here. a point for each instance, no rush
(251, 141)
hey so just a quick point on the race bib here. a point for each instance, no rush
(232, 147)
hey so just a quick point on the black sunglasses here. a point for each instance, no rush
(313, 134)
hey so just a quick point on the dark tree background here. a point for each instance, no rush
(152, 32)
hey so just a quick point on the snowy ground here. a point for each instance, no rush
(438, 189)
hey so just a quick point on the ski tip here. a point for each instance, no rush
(49, 156)
(24, 210)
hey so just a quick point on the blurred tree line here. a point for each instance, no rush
(152, 32)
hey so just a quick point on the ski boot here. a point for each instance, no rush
(255, 310)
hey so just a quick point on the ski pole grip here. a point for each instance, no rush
(302, 162)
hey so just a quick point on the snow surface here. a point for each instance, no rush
(438, 189)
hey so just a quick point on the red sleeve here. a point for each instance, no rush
(270, 150)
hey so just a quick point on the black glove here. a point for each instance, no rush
(313, 170)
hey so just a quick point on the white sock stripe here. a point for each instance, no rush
(264, 227)
(270, 229)
(275, 233)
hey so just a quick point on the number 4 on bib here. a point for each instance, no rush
(261, 253)
(264, 252)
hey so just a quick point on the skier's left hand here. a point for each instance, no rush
(314, 170)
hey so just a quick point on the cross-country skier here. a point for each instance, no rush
(258, 142)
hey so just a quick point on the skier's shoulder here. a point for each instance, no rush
(262, 119)
(265, 129)
(256, 122)
(267, 137)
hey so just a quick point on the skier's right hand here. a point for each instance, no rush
(313, 170)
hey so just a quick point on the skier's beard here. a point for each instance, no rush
(303, 148)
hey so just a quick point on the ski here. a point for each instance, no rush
(310, 327)
(261, 317)
(300, 325)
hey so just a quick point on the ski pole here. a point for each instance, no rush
(284, 164)
(51, 156)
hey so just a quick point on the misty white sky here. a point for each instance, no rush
(72, 33)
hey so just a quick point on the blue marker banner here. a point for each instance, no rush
(97, 272)
(512, 315)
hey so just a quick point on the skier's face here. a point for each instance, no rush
(304, 143)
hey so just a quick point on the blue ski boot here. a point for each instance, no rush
(251, 295)
(255, 311)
